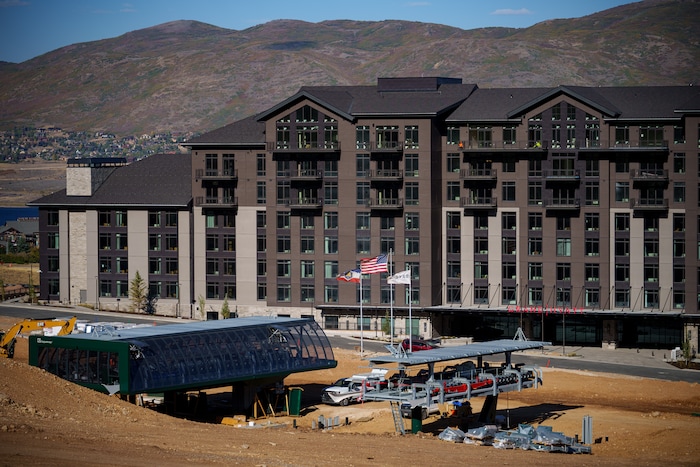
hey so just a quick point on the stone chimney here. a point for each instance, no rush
(84, 176)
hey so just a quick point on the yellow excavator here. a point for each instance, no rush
(8, 339)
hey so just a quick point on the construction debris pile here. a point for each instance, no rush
(524, 437)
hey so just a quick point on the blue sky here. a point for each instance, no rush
(29, 28)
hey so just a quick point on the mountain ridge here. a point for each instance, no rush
(191, 76)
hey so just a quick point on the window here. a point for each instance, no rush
(330, 293)
(170, 242)
(120, 219)
(453, 244)
(534, 197)
(651, 273)
(622, 136)
(570, 112)
(105, 218)
(411, 136)
(534, 296)
(262, 291)
(53, 264)
(412, 221)
(679, 192)
(481, 245)
(330, 168)
(454, 269)
(534, 221)
(679, 222)
(480, 136)
(387, 137)
(362, 221)
(330, 220)
(411, 194)
(362, 165)
(363, 245)
(534, 246)
(622, 222)
(452, 135)
(622, 272)
(651, 136)
(155, 266)
(592, 246)
(308, 268)
(508, 220)
(592, 194)
(261, 267)
(387, 223)
(622, 192)
(362, 193)
(508, 165)
(508, 245)
(229, 267)
(563, 247)
(592, 272)
(452, 164)
(306, 221)
(330, 245)
(622, 247)
(121, 241)
(481, 222)
(105, 242)
(170, 218)
(651, 224)
(454, 293)
(307, 244)
(509, 135)
(651, 247)
(592, 168)
(284, 268)
(212, 267)
(622, 298)
(307, 292)
(481, 295)
(678, 248)
(454, 220)
(283, 193)
(306, 114)
(509, 270)
(330, 269)
(362, 137)
(556, 112)
(284, 292)
(105, 265)
(283, 220)
(411, 165)
(261, 193)
(284, 244)
(412, 246)
(52, 218)
(508, 296)
(534, 167)
(563, 296)
(679, 163)
(534, 271)
(481, 269)
(563, 272)
(508, 191)
(563, 223)
(678, 273)
(592, 221)
(261, 165)
(330, 193)
(453, 189)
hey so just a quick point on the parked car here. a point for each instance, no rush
(347, 390)
(417, 345)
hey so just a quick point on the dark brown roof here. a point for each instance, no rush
(163, 180)
(246, 131)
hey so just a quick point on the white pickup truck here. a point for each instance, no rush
(351, 389)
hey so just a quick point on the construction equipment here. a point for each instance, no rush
(8, 339)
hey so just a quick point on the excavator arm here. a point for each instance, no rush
(8, 339)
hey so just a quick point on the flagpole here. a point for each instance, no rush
(391, 299)
(410, 317)
(362, 343)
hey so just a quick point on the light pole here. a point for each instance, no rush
(97, 293)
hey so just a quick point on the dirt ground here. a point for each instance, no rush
(12, 273)
(30, 179)
(46, 420)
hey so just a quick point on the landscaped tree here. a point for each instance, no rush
(150, 304)
(225, 310)
(202, 302)
(138, 293)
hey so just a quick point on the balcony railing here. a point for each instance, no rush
(314, 146)
(566, 175)
(650, 204)
(220, 202)
(587, 144)
(389, 174)
(209, 174)
(660, 175)
(478, 202)
(385, 203)
(478, 174)
(562, 203)
(302, 203)
(306, 175)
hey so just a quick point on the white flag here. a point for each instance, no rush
(403, 277)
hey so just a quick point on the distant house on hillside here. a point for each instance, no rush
(24, 229)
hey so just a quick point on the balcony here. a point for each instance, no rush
(222, 202)
(478, 174)
(649, 176)
(385, 175)
(311, 147)
(302, 203)
(562, 175)
(490, 146)
(209, 174)
(478, 202)
(306, 175)
(562, 203)
(385, 203)
(649, 204)
(386, 146)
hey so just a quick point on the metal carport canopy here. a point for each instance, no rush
(458, 352)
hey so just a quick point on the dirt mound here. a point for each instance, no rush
(46, 420)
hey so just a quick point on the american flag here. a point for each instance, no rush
(374, 265)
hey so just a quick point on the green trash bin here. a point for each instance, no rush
(295, 401)
(416, 419)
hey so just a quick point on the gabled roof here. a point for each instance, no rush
(158, 180)
(624, 103)
(28, 226)
(249, 131)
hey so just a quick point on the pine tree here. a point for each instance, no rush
(137, 293)
(225, 310)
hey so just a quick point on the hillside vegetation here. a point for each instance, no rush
(190, 76)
